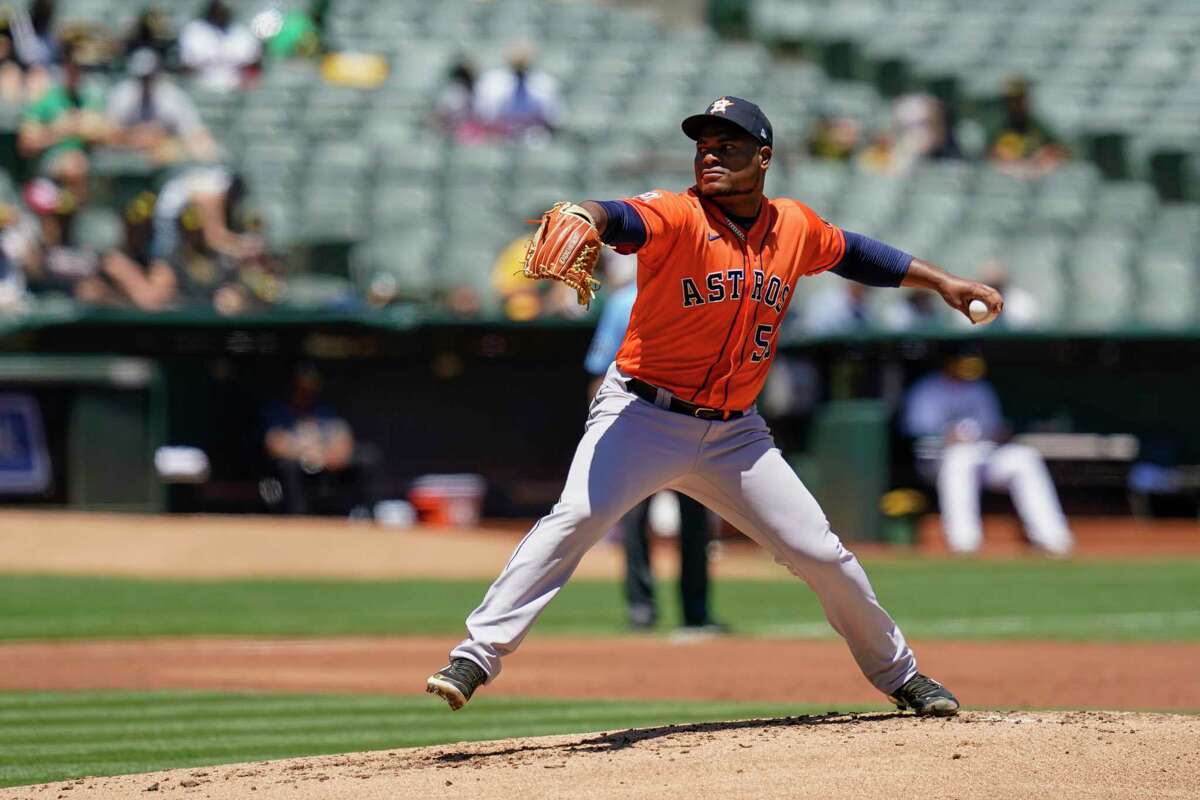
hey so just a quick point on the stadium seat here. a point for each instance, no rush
(404, 264)
(1169, 283)
(1102, 285)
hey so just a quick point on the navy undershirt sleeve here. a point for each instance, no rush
(872, 262)
(624, 227)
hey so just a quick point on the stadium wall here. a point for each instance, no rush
(508, 402)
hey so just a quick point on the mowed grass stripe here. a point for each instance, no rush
(55, 752)
(939, 599)
(198, 704)
(35, 733)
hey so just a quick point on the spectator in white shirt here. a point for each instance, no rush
(516, 100)
(217, 49)
(151, 114)
(838, 308)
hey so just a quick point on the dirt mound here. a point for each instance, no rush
(865, 756)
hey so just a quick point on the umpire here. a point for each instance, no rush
(693, 517)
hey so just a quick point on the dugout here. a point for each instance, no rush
(508, 401)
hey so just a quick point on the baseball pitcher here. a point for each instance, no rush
(717, 268)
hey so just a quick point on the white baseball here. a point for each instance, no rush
(978, 310)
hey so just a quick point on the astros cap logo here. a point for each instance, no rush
(719, 106)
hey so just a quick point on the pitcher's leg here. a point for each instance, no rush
(621, 459)
(958, 494)
(1022, 471)
(751, 486)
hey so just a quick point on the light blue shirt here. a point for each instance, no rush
(936, 402)
(610, 331)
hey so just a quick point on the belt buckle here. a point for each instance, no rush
(696, 412)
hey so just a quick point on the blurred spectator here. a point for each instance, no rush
(921, 129)
(881, 158)
(957, 412)
(1022, 144)
(196, 222)
(619, 279)
(834, 138)
(916, 310)
(51, 262)
(840, 308)
(60, 126)
(916, 132)
(12, 277)
(295, 33)
(312, 452)
(516, 100)
(219, 50)
(150, 114)
(148, 283)
(152, 31)
(520, 297)
(12, 74)
(33, 34)
(523, 299)
(454, 111)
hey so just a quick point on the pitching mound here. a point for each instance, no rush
(863, 756)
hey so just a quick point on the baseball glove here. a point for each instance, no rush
(565, 247)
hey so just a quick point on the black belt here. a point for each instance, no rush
(649, 393)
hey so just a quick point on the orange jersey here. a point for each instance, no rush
(710, 295)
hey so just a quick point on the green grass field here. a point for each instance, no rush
(56, 736)
(53, 736)
(1143, 600)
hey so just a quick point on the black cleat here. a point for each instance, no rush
(925, 696)
(457, 682)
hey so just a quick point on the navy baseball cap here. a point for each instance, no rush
(741, 113)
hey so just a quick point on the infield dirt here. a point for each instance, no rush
(997, 756)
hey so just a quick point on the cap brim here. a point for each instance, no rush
(695, 123)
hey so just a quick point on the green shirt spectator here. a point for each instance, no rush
(298, 37)
(1020, 137)
(59, 125)
(52, 112)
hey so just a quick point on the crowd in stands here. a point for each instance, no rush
(514, 101)
(186, 237)
(920, 128)
(194, 235)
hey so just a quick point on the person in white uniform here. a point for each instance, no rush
(957, 413)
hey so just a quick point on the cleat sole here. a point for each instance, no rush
(447, 691)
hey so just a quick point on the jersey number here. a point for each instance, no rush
(762, 338)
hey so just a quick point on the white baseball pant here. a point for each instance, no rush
(630, 450)
(1016, 468)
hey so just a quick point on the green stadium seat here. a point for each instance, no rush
(1126, 204)
(469, 263)
(394, 204)
(1169, 287)
(483, 163)
(966, 251)
(1103, 288)
(403, 265)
